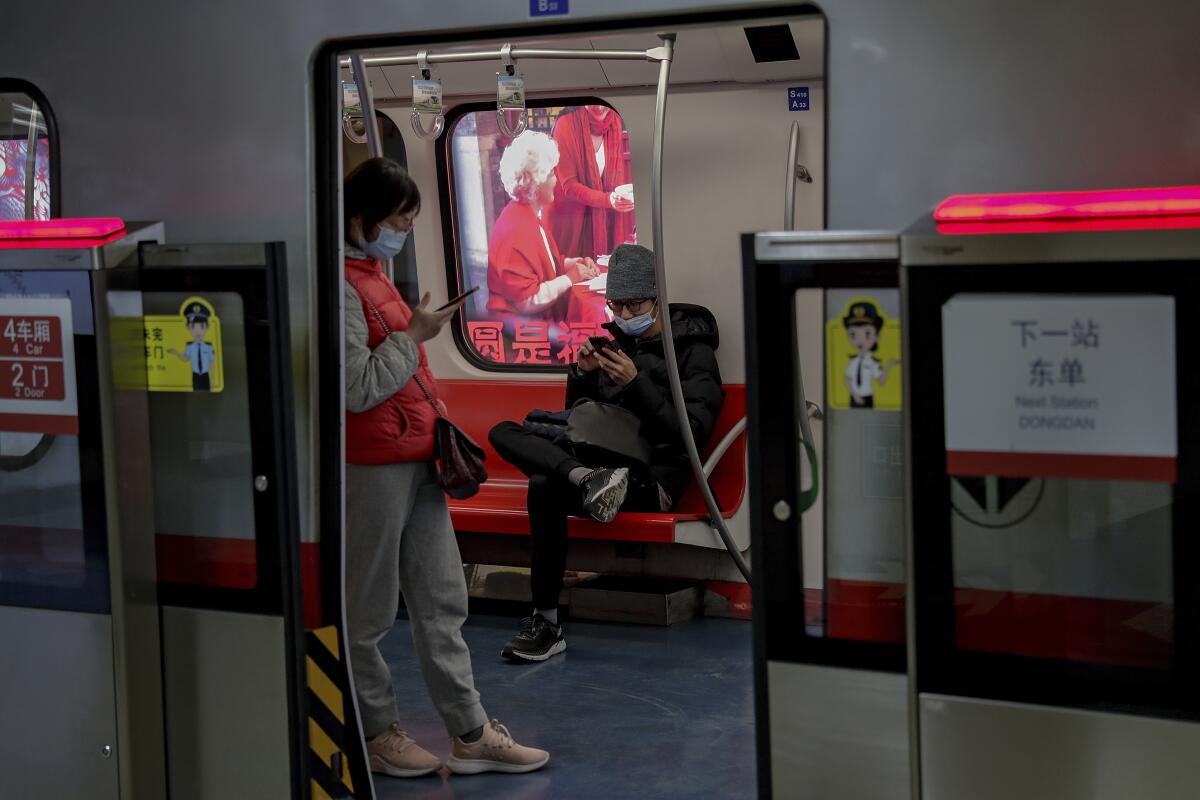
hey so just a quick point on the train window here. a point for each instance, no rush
(202, 449)
(535, 219)
(27, 178)
(1064, 569)
(1048, 577)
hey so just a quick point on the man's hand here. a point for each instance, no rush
(587, 358)
(617, 366)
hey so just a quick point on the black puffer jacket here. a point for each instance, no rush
(649, 394)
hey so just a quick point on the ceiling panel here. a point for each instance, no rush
(702, 55)
(809, 35)
(698, 59)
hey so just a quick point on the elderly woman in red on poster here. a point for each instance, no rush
(528, 278)
(592, 211)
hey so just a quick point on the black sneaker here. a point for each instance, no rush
(537, 640)
(604, 491)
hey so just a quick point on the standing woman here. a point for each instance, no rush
(590, 217)
(398, 531)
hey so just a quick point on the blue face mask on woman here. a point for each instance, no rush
(387, 245)
(636, 326)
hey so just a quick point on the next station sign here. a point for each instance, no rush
(1068, 386)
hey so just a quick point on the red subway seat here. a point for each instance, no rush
(476, 406)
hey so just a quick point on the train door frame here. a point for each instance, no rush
(328, 351)
(1020, 698)
(257, 274)
(776, 266)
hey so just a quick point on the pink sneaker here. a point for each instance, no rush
(495, 751)
(394, 753)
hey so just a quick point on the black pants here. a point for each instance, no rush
(200, 382)
(551, 499)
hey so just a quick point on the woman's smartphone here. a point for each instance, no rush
(601, 342)
(467, 293)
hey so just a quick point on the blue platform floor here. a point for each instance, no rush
(629, 712)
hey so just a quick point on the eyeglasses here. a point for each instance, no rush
(632, 305)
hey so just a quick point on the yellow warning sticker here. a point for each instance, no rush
(183, 352)
(862, 354)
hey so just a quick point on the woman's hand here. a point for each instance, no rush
(620, 202)
(580, 269)
(617, 366)
(586, 358)
(425, 324)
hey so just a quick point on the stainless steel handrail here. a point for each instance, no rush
(31, 141)
(664, 314)
(367, 98)
(789, 192)
(653, 54)
(723, 446)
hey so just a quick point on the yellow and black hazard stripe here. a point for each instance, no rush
(327, 732)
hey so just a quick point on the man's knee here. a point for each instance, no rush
(501, 434)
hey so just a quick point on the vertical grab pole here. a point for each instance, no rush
(789, 224)
(374, 144)
(789, 191)
(31, 142)
(664, 314)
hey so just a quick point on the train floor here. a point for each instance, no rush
(628, 711)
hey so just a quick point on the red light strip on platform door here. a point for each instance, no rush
(81, 228)
(1166, 201)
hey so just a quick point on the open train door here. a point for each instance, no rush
(225, 516)
(827, 513)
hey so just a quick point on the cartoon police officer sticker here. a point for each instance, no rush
(201, 355)
(863, 350)
(183, 352)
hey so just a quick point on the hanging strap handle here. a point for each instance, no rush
(387, 330)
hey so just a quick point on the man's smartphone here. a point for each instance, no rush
(601, 342)
(467, 293)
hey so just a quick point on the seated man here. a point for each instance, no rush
(635, 378)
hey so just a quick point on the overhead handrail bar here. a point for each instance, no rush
(423, 61)
(523, 53)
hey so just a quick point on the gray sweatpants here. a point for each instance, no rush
(399, 537)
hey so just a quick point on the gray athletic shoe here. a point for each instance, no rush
(604, 491)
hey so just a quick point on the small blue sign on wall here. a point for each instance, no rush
(797, 98)
(548, 8)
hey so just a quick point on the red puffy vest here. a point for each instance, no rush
(401, 427)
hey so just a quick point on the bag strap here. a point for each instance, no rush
(416, 377)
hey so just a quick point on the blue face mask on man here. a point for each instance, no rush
(387, 245)
(636, 326)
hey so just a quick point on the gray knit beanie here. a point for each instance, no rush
(631, 273)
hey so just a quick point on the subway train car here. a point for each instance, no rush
(172, 544)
